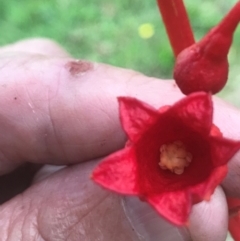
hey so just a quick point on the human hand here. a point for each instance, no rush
(64, 113)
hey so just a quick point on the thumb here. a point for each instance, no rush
(202, 221)
(61, 111)
(67, 205)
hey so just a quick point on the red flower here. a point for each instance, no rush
(173, 158)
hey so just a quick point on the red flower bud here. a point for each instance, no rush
(204, 65)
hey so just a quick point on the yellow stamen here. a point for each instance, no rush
(174, 157)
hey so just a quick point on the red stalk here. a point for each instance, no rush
(204, 65)
(234, 221)
(217, 42)
(229, 23)
(177, 24)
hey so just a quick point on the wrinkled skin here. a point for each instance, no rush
(57, 111)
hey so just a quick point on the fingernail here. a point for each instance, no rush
(149, 225)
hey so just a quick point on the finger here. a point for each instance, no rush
(231, 182)
(36, 46)
(203, 224)
(61, 111)
(202, 221)
(227, 118)
(66, 206)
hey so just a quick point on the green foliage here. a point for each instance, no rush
(107, 31)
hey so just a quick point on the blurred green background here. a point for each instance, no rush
(108, 31)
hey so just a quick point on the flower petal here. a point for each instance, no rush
(174, 206)
(195, 111)
(205, 190)
(118, 172)
(222, 150)
(135, 116)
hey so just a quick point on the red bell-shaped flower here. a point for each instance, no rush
(173, 158)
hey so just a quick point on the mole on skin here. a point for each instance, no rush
(76, 67)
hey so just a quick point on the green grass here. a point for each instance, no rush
(107, 31)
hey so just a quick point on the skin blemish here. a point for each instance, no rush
(174, 157)
(79, 67)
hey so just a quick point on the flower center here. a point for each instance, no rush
(174, 157)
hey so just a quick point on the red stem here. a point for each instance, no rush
(231, 20)
(234, 222)
(177, 24)
(218, 40)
